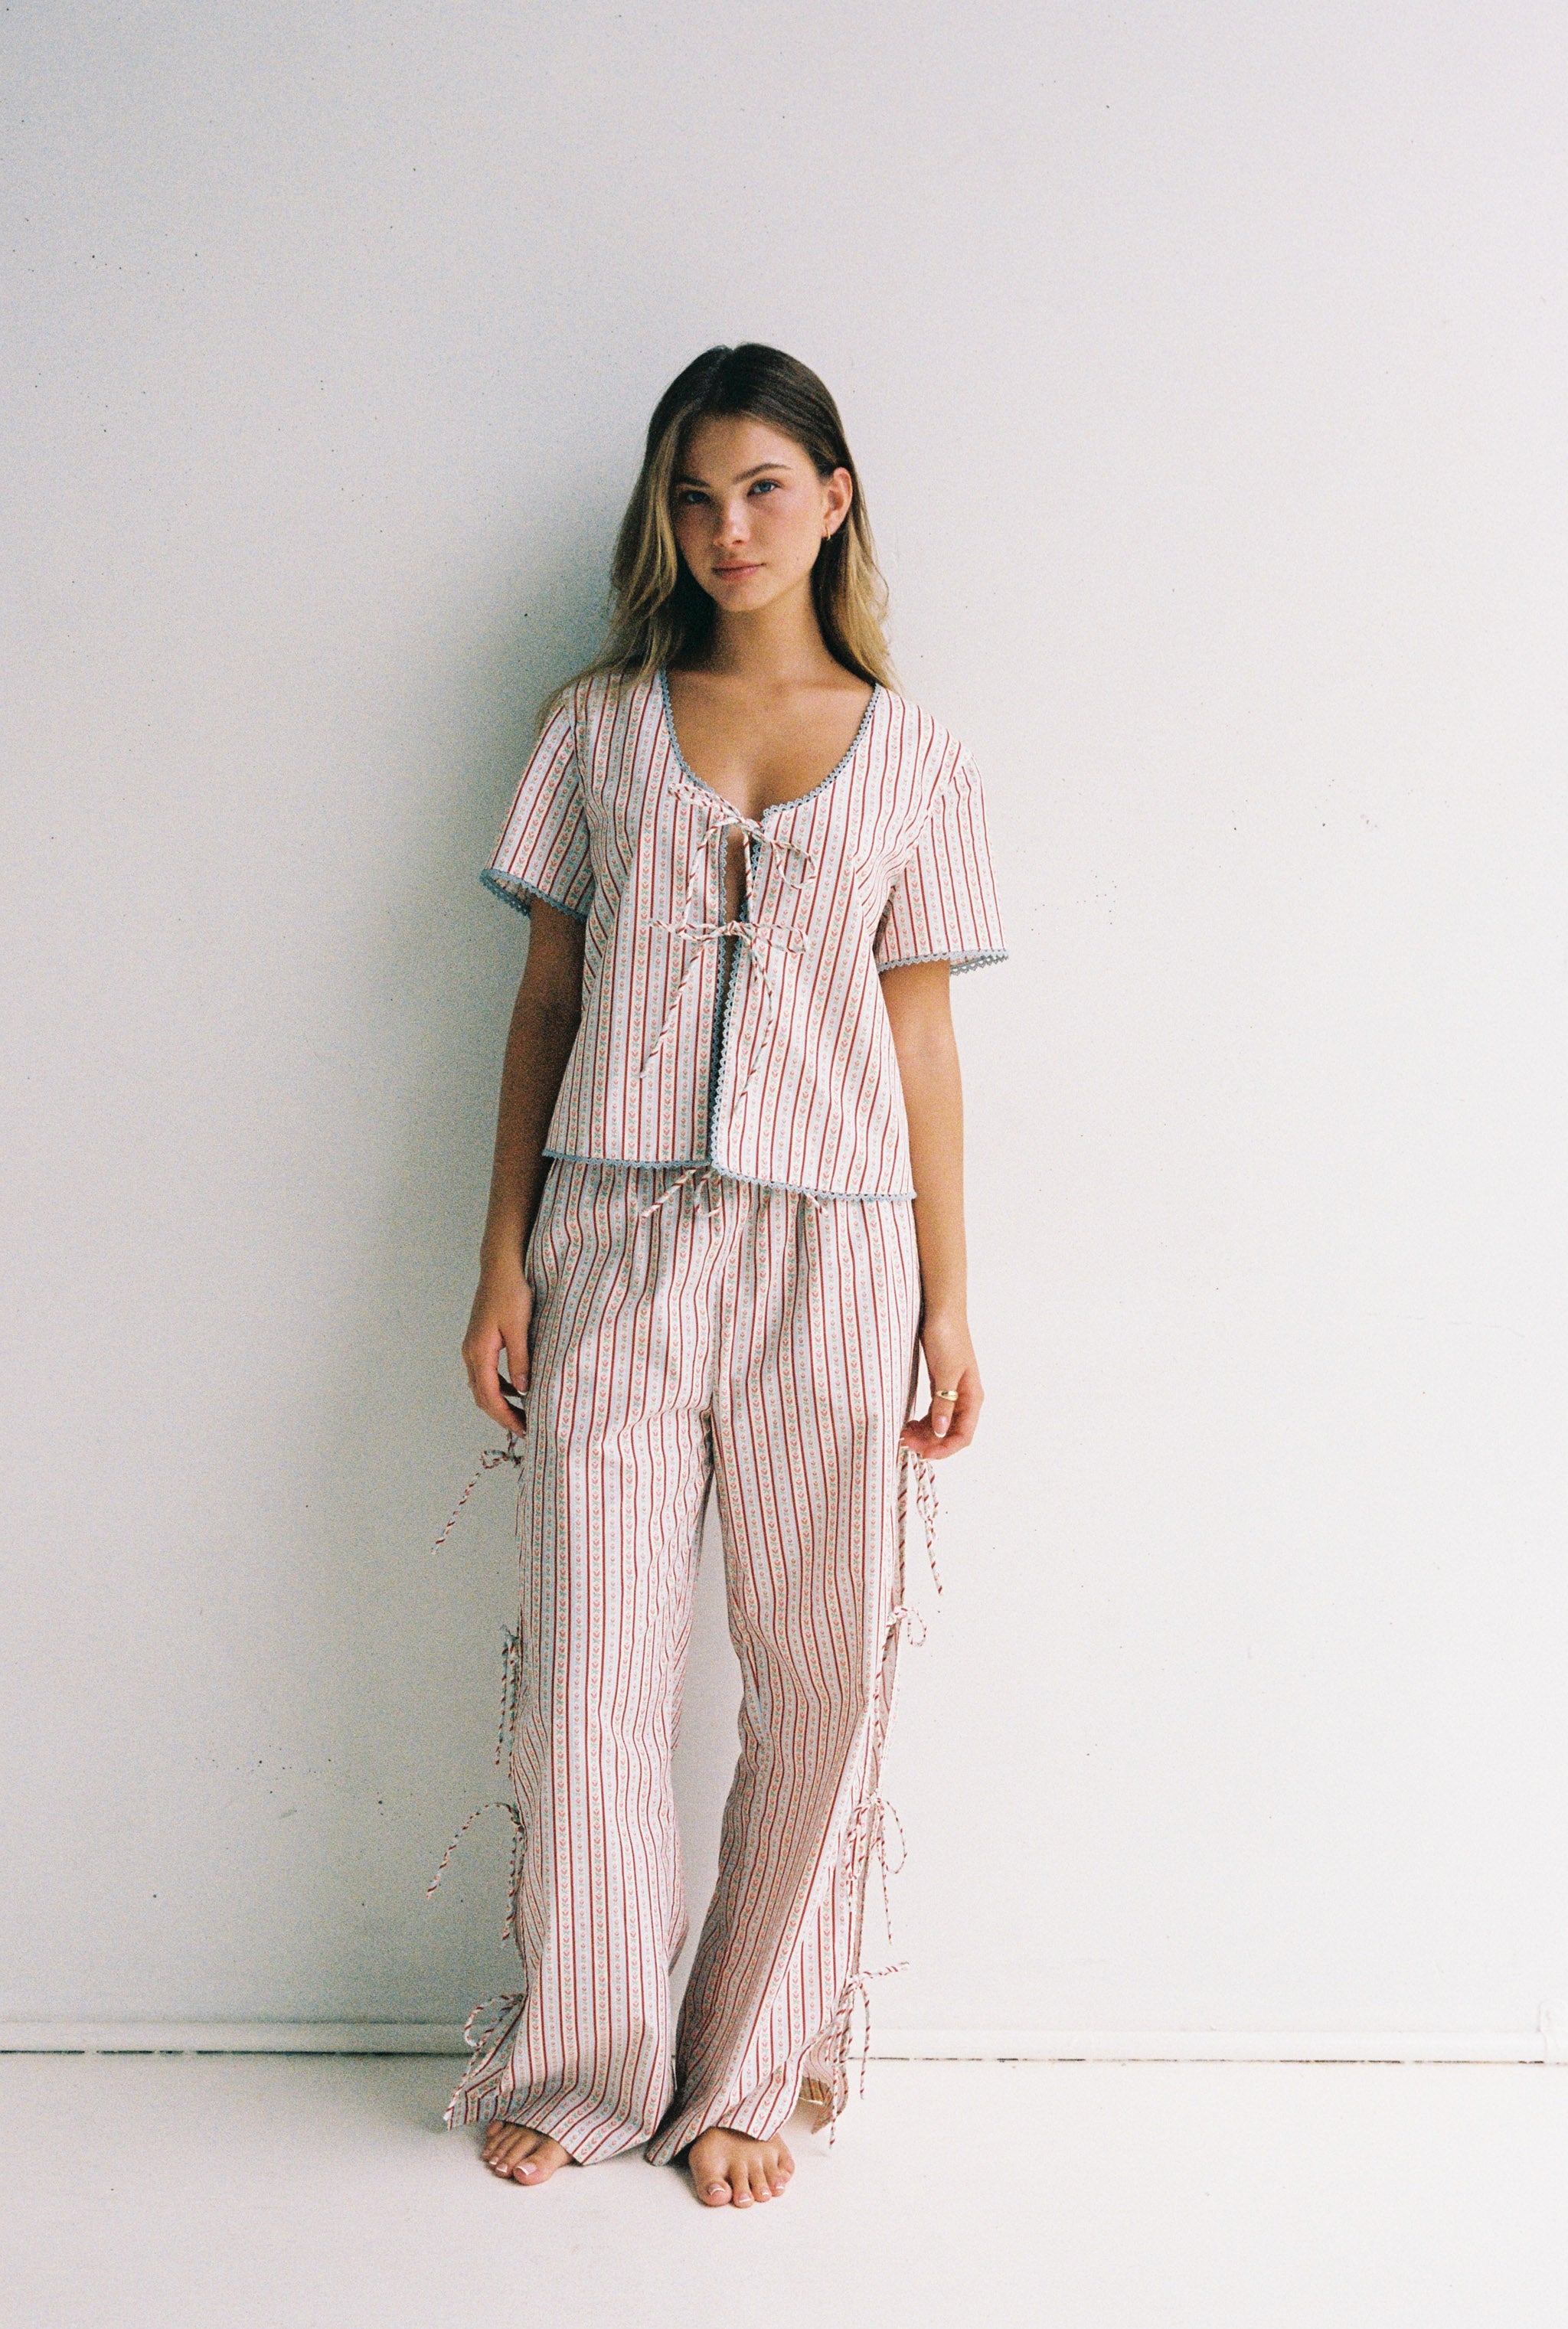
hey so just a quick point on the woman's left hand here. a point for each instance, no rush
(949, 1422)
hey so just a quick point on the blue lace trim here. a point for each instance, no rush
(958, 961)
(521, 894)
(747, 1180)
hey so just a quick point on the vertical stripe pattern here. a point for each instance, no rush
(885, 860)
(693, 1333)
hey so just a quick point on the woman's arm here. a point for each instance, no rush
(543, 1023)
(916, 995)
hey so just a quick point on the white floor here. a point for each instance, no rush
(292, 2191)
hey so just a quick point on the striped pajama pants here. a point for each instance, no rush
(691, 1331)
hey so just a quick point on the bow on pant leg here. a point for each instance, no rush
(693, 1333)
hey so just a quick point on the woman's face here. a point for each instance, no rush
(751, 511)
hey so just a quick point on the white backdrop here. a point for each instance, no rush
(1205, 367)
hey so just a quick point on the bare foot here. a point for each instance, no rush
(728, 2170)
(521, 2153)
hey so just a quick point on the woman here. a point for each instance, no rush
(725, 1220)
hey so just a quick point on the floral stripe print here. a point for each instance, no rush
(783, 1072)
(695, 1334)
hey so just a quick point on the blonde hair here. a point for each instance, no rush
(659, 613)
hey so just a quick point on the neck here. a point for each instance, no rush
(780, 645)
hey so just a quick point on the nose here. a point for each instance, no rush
(732, 527)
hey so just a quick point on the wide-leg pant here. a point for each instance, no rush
(690, 1333)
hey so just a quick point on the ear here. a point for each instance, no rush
(839, 492)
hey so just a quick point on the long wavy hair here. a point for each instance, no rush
(659, 613)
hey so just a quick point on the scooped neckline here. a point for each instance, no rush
(774, 808)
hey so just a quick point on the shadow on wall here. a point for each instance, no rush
(411, 1645)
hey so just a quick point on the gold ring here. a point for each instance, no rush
(944, 1394)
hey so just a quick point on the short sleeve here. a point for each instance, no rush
(543, 851)
(943, 907)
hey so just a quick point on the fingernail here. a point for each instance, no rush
(940, 1430)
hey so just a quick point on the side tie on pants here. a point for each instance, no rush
(748, 1377)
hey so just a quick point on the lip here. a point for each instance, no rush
(729, 573)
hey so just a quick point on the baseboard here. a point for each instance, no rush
(442, 2038)
(232, 2038)
(1209, 2046)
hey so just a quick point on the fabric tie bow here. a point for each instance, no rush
(754, 936)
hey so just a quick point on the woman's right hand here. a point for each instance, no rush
(498, 1322)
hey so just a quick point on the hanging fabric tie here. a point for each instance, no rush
(868, 1833)
(924, 1474)
(511, 1692)
(511, 1687)
(703, 1176)
(511, 1453)
(865, 1840)
(722, 821)
(511, 1695)
(855, 1994)
(752, 936)
(478, 1814)
(705, 879)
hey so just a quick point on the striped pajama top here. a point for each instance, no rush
(770, 1059)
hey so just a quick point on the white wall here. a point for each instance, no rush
(1206, 370)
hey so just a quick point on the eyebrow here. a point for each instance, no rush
(687, 479)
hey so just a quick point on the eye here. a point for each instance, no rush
(766, 486)
(688, 497)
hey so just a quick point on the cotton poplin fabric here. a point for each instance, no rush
(726, 1301)
(784, 1072)
(693, 1333)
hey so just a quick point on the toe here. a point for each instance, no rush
(544, 2160)
(524, 2155)
(708, 2165)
